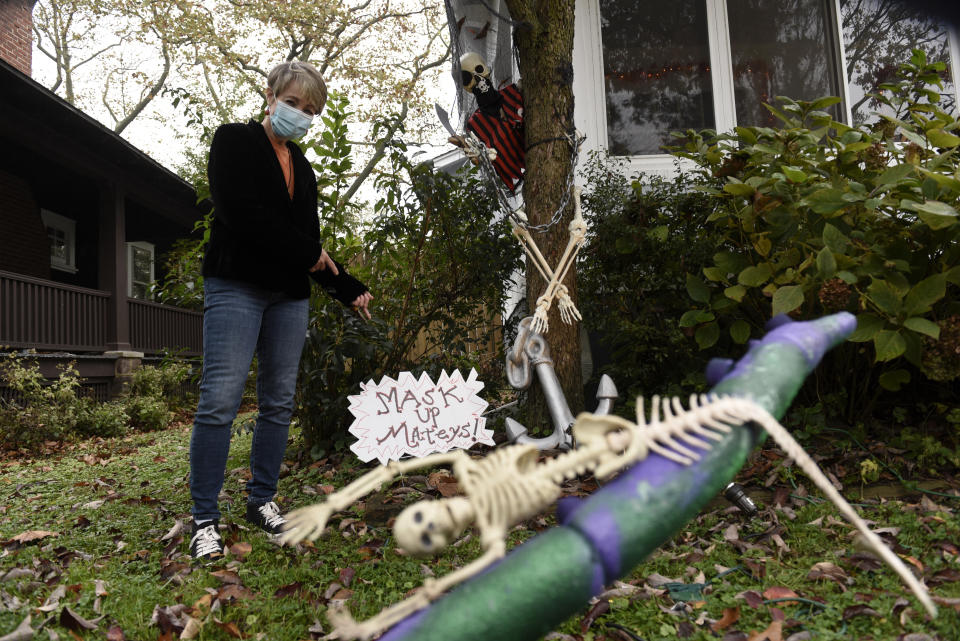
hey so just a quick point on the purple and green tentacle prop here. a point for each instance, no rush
(544, 581)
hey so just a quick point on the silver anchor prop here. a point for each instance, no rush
(530, 352)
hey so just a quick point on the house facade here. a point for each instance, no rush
(645, 69)
(84, 218)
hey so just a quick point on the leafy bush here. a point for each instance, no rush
(435, 259)
(147, 413)
(101, 419)
(817, 216)
(644, 236)
(42, 410)
(57, 410)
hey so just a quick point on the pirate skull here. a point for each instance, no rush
(474, 71)
(426, 527)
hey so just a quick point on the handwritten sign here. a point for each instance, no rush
(416, 417)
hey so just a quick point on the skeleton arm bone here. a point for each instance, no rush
(309, 522)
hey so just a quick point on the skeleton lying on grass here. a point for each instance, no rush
(509, 486)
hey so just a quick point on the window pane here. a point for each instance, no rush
(142, 262)
(58, 244)
(656, 66)
(782, 48)
(878, 36)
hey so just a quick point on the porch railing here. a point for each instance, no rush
(155, 327)
(50, 316)
(46, 315)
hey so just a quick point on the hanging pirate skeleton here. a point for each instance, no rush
(494, 141)
(510, 485)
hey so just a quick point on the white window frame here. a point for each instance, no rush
(69, 229)
(588, 87)
(149, 247)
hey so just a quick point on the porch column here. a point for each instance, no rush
(113, 265)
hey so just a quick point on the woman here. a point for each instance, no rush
(264, 243)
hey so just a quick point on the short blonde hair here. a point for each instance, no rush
(302, 73)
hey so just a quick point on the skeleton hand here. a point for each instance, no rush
(306, 523)
(345, 627)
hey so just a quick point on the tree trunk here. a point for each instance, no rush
(544, 42)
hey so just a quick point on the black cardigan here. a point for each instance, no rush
(259, 234)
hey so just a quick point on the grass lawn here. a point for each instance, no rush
(94, 545)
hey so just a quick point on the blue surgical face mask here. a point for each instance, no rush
(288, 122)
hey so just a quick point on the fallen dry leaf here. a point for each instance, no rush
(230, 628)
(830, 571)
(774, 632)
(753, 598)
(598, 610)
(115, 633)
(859, 610)
(730, 616)
(23, 632)
(234, 592)
(226, 576)
(240, 550)
(288, 590)
(73, 621)
(346, 576)
(779, 592)
(32, 535)
(191, 629)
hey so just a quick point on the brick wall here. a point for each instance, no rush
(16, 37)
(25, 248)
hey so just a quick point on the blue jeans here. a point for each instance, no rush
(238, 320)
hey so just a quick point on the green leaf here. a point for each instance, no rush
(763, 245)
(659, 233)
(829, 200)
(941, 138)
(794, 174)
(824, 102)
(953, 275)
(923, 326)
(924, 294)
(714, 273)
(834, 239)
(894, 379)
(848, 277)
(737, 292)
(738, 189)
(729, 262)
(889, 345)
(885, 297)
(786, 299)
(936, 214)
(697, 289)
(826, 263)
(894, 175)
(707, 335)
(740, 331)
(694, 317)
(868, 326)
(755, 275)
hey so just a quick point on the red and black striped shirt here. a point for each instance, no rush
(504, 134)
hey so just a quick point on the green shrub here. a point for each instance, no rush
(433, 256)
(146, 413)
(101, 419)
(645, 235)
(161, 382)
(817, 216)
(43, 410)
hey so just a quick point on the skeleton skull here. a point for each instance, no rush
(473, 69)
(426, 527)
